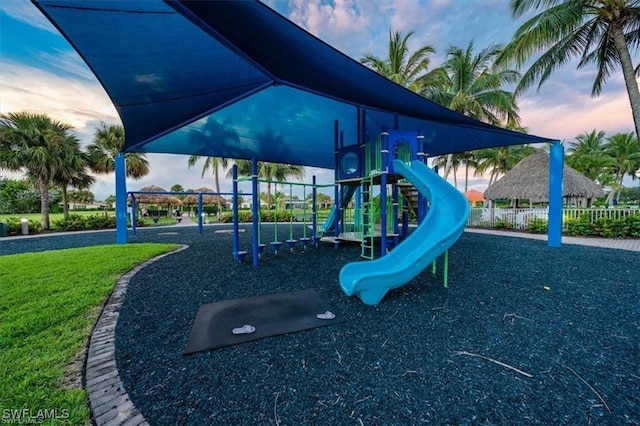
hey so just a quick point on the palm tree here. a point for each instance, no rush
(588, 156)
(38, 146)
(407, 69)
(472, 84)
(498, 161)
(623, 149)
(271, 172)
(73, 172)
(81, 196)
(213, 163)
(108, 141)
(468, 159)
(595, 31)
(449, 163)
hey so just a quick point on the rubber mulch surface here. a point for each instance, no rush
(496, 347)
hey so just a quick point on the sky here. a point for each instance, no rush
(40, 72)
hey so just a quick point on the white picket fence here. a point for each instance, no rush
(520, 218)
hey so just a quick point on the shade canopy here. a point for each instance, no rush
(529, 179)
(236, 79)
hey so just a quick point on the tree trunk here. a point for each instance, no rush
(44, 203)
(629, 75)
(466, 177)
(612, 194)
(65, 202)
(448, 163)
(455, 178)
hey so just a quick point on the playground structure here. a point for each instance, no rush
(386, 179)
(394, 167)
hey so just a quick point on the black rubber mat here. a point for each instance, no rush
(271, 315)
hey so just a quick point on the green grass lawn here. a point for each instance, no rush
(48, 305)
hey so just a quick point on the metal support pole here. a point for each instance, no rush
(236, 230)
(396, 213)
(337, 192)
(314, 212)
(121, 199)
(556, 166)
(445, 269)
(255, 212)
(383, 191)
(200, 213)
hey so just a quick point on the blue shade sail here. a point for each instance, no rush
(235, 79)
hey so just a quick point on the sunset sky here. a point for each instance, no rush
(40, 72)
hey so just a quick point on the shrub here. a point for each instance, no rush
(612, 228)
(579, 226)
(244, 216)
(537, 226)
(73, 222)
(633, 223)
(502, 224)
(76, 222)
(14, 226)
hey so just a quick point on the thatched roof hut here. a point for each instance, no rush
(529, 179)
(206, 198)
(157, 199)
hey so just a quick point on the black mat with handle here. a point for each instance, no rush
(269, 315)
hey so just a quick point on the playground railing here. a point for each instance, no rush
(520, 219)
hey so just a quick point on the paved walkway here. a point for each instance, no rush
(613, 243)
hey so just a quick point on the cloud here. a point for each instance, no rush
(67, 61)
(71, 101)
(24, 11)
(341, 23)
(570, 116)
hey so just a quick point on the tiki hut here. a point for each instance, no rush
(212, 198)
(156, 199)
(529, 179)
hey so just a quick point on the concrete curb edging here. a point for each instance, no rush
(108, 400)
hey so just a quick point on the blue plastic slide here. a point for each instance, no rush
(443, 225)
(330, 223)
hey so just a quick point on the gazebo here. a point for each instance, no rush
(208, 197)
(155, 197)
(529, 179)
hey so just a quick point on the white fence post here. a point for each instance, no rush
(519, 219)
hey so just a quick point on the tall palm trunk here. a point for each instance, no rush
(65, 202)
(44, 202)
(466, 177)
(629, 74)
(613, 195)
(448, 164)
(455, 177)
